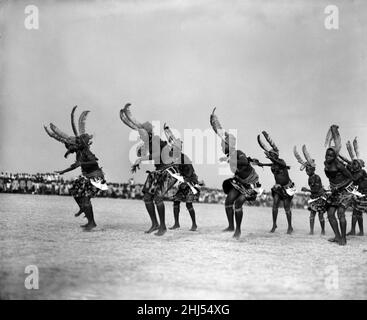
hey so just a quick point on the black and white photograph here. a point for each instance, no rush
(183, 150)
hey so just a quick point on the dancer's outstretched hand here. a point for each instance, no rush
(223, 159)
(256, 162)
(134, 168)
(136, 165)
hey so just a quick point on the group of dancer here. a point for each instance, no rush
(347, 178)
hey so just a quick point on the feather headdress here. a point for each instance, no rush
(80, 137)
(308, 162)
(353, 150)
(333, 139)
(144, 129)
(270, 141)
(227, 138)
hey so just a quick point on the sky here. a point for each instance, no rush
(265, 65)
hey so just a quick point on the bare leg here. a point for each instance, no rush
(238, 214)
(333, 224)
(322, 222)
(176, 214)
(288, 213)
(352, 231)
(312, 221)
(276, 203)
(83, 202)
(149, 205)
(360, 223)
(231, 197)
(88, 209)
(191, 210)
(230, 217)
(78, 200)
(161, 213)
(343, 226)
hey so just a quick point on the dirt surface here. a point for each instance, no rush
(118, 261)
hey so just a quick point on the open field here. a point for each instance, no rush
(118, 261)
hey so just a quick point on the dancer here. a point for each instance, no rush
(244, 185)
(92, 179)
(359, 203)
(159, 181)
(340, 179)
(284, 189)
(188, 184)
(317, 203)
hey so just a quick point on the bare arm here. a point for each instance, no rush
(264, 164)
(71, 168)
(152, 156)
(345, 171)
(149, 156)
(358, 175)
(281, 163)
(253, 160)
(189, 170)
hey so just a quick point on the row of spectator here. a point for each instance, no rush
(54, 184)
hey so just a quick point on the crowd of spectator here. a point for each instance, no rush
(54, 184)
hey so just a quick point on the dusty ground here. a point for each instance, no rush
(119, 261)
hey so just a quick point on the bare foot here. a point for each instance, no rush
(311, 233)
(194, 228)
(361, 234)
(90, 226)
(78, 213)
(273, 229)
(228, 229)
(160, 232)
(335, 239)
(351, 233)
(342, 242)
(290, 230)
(175, 226)
(152, 228)
(322, 232)
(237, 234)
